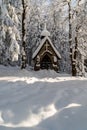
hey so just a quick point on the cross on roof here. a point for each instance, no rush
(46, 45)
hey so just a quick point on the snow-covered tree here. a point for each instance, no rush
(2, 31)
(14, 33)
(11, 35)
(77, 22)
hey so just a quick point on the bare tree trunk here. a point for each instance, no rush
(74, 61)
(23, 35)
(74, 64)
(70, 36)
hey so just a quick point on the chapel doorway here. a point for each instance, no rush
(46, 62)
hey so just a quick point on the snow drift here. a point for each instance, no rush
(43, 100)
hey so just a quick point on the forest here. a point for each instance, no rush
(21, 24)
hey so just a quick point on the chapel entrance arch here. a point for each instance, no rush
(46, 62)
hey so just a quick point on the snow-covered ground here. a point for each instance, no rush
(43, 100)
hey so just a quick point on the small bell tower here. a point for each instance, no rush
(45, 32)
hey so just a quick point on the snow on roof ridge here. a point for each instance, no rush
(42, 43)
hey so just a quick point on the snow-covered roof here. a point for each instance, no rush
(45, 32)
(40, 46)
